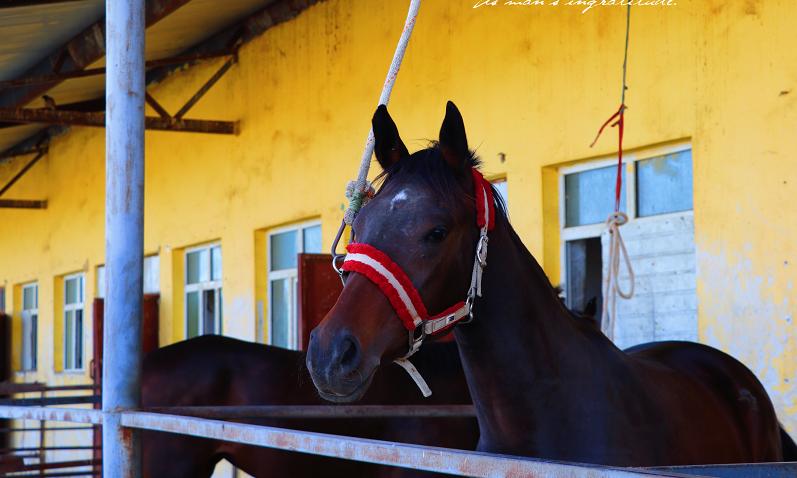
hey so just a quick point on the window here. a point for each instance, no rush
(664, 184)
(151, 277)
(657, 196)
(74, 307)
(30, 319)
(203, 297)
(283, 247)
(589, 195)
(501, 189)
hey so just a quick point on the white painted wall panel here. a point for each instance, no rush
(664, 307)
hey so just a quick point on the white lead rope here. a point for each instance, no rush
(611, 286)
(359, 190)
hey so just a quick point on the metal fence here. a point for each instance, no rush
(426, 458)
(36, 460)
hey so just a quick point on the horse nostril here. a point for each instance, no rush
(349, 354)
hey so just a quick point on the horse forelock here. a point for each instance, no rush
(428, 167)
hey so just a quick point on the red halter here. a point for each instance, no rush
(397, 286)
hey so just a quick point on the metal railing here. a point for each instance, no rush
(441, 460)
(38, 460)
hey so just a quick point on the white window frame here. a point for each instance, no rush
(29, 359)
(81, 306)
(201, 287)
(293, 312)
(150, 282)
(630, 159)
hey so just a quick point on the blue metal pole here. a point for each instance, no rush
(124, 233)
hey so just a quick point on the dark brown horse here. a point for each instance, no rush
(543, 385)
(215, 370)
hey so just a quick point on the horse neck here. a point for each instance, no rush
(521, 339)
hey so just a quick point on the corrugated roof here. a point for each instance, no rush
(34, 32)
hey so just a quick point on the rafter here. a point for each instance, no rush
(97, 119)
(23, 204)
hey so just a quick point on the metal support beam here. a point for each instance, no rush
(4, 4)
(321, 411)
(206, 87)
(124, 234)
(22, 171)
(98, 119)
(56, 77)
(71, 415)
(23, 204)
(152, 102)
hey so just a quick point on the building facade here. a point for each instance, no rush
(710, 175)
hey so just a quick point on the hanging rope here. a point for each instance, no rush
(359, 191)
(617, 250)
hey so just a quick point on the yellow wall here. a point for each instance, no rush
(533, 83)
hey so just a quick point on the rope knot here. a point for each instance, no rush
(611, 286)
(616, 219)
(358, 197)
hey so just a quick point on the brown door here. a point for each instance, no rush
(149, 342)
(149, 331)
(319, 287)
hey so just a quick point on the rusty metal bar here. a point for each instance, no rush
(736, 470)
(37, 429)
(23, 204)
(440, 460)
(30, 3)
(35, 387)
(74, 415)
(22, 171)
(55, 77)
(53, 448)
(156, 106)
(70, 474)
(97, 119)
(56, 465)
(51, 400)
(322, 411)
(206, 87)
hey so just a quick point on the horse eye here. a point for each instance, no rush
(436, 235)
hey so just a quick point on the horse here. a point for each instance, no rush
(217, 370)
(542, 385)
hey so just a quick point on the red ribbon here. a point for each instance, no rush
(620, 123)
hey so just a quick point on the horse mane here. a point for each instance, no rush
(428, 165)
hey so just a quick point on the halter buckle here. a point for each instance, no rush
(481, 249)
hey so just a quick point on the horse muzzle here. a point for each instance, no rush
(337, 368)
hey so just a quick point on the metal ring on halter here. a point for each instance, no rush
(335, 256)
(469, 303)
(481, 250)
(415, 342)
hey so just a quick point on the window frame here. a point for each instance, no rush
(293, 273)
(630, 160)
(100, 271)
(26, 315)
(81, 306)
(201, 287)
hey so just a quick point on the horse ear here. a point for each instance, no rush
(453, 141)
(388, 146)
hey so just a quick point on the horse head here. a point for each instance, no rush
(419, 230)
